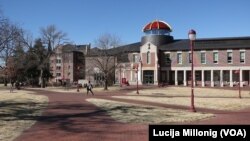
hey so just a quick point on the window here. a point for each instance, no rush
(167, 59)
(203, 58)
(189, 57)
(148, 57)
(179, 58)
(230, 57)
(58, 67)
(58, 74)
(58, 60)
(242, 56)
(215, 57)
(135, 58)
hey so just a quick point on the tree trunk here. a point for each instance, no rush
(44, 82)
(41, 78)
(106, 84)
(5, 81)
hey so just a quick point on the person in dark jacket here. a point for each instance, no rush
(89, 88)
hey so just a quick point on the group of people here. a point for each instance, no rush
(16, 85)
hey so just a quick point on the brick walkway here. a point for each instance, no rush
(69, 117)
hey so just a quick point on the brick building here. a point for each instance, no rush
(162, 59)
(159, 58)
(68, 63)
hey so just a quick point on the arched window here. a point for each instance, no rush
(148, 57)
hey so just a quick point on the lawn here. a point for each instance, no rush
(135, 113)
(210, 98)
(18, 111)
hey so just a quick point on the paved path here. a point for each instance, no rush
(69, 117)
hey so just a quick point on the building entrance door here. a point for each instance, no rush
(148, 77)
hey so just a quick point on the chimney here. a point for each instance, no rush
(88, 48)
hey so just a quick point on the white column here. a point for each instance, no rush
(131, 75)
(184, 79)
(221, 78)
(231, 78)
(139, 76)
(156, 77)
(202, 78)
(241, 75)
(212, 78)
(176, 77)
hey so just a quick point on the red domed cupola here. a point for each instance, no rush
(157, 27)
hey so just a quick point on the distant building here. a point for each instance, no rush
(68, 63)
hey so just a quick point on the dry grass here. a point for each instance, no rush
(204, 97)
(134, 113)
(185, 91)
(18, 111)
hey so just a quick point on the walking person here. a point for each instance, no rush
(89, 88)
(11, 86)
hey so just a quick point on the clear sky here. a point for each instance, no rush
(85, 20)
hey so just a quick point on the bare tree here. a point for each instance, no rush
(10, 38)
(8, 32)
(51, 37)
(105, 58)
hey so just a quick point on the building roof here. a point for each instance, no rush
(157, 25)
(134, 47)
(184, 45)
(67, 48)
(208, 44)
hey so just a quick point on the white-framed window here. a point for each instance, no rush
(58, 74)
(58, 67)
(242, 56)
(229, 56)
(167, 59)
(203, 57)
(148, 57)
(135, 58)
(215, 57)
(179, 57)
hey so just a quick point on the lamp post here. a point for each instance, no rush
(192, 37)
(78, 70)
(137, 91)
(120, 76)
